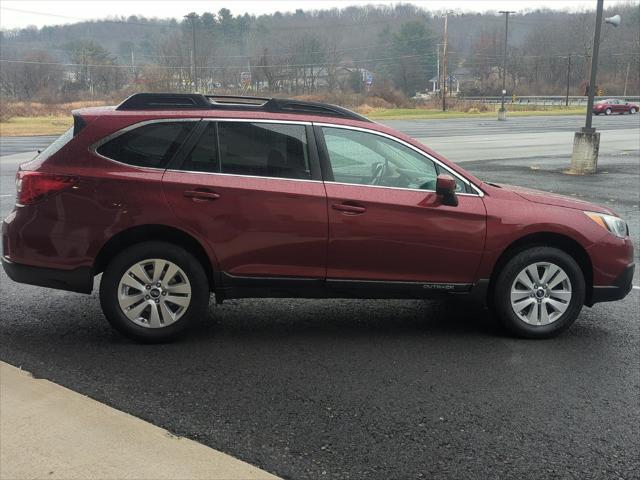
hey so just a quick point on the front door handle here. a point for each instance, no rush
(201, 195)
(349, 208)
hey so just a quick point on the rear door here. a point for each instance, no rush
(386, 222)
(252, 189)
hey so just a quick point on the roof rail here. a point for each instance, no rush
(197, 101)
(284, 105)
(163, 101)
(238, 99)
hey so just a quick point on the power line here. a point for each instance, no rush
(371, 60)
(209, 68)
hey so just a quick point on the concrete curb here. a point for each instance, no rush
(48, 431)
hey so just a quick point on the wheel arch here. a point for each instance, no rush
(546, 239)
(143, 233)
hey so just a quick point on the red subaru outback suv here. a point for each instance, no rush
(174, 196)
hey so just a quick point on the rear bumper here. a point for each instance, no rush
(78, 280)
(620, 288)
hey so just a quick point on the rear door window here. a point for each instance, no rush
(264, 149)
(150, 145)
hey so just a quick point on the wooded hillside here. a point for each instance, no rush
(392, 51)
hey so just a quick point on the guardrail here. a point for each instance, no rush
(574, 100)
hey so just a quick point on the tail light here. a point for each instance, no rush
(32, 187)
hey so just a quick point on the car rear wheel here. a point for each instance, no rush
(539, 292)
(633, 110)
(608, 111)
(153, 291)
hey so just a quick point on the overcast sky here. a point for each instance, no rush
(21, 13)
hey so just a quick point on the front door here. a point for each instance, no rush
(252, 189)
(386, 222)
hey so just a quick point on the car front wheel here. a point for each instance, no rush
(633, 110)
(539, 292)
(607, 111)
(152, 291)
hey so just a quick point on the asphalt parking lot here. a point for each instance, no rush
(376, 389)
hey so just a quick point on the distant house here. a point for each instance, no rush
(460, 77)
(452, 81)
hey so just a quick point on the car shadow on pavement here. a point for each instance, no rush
(345, 318)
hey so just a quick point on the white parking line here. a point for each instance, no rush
(636, 287)
(10, 195)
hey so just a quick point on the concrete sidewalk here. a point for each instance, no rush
(48, 431)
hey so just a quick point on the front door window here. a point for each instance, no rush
(367, 159)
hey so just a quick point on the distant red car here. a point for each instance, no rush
(614, 105)
(174, 196)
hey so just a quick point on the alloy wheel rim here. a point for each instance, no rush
(541, 293)
(154, 293)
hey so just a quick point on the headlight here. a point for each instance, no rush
(615, 225)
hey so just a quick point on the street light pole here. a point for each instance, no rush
(626, 80)
(192, 17)
(594, 68)
(502, 114)
(586, 142)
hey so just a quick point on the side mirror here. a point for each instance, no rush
(446, 188)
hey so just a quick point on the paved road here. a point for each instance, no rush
(13, 145)
(513, 125)
(464, 140)
(375, 389)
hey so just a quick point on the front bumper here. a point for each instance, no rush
(621, 287)
(78, 280)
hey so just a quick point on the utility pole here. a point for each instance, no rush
(566, 103)
(438, 66)
(443, 86)
(193, 17)
(502, 113)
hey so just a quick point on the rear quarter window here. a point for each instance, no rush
(57, 144)
(151, 145)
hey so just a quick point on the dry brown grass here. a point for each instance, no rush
(10, 110)
(28, 126)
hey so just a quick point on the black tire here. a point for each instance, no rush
(633, 110)
(608, 111)
(506, 277)
(114, 272)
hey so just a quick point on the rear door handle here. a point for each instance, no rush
(348, 208)
(201, 195)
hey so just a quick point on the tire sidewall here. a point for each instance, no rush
(136, 253)
(502, 293)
